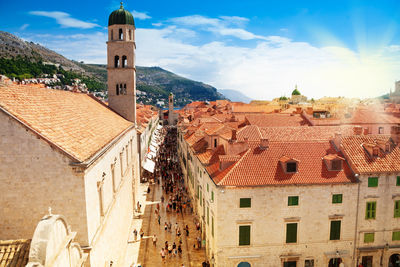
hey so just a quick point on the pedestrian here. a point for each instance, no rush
(159, 219)
(162, 253)
(341, 263)
(141, 233)
(148, 190)
(162, 197)
(154, 240)
(165, 226)
(170, 250)
(135, 234)
(166, 245)
(208, 264)
(138, 206)
(203, 264)
(175, 252)
(180, 250)
(199, 242)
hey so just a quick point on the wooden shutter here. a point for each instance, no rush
(335, 230)
(370, 212)
(369, 237)
(397, 208)
(245, 202)
(291, 233)
(293, 201)
(337, 198)
(244, 235)
(398, 181)
(372, 181)
(396, 236)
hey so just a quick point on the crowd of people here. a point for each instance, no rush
(174, 200)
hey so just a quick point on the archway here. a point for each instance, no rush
(394, 260)
(244, 264)
(334, 262)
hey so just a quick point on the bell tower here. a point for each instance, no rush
(121, 68)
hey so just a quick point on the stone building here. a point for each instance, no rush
(172, 115)
(71, 152)
(295, 195)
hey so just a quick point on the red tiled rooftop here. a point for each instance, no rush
(77, 123)
(362, 162)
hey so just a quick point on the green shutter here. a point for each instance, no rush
(372, 181)
(291, 233)
(293, 201)
(369, 237)
(244, 235)
(208, 215)
(396, 236)
(370, 212)
(208, 188)
(337, 198)
(335, 230)
(245, 202)
(397, 209)
(212, 195)
(398, 181)
(212, 225)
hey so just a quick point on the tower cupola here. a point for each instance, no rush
(121, 16)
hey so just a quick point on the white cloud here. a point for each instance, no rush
(140, 15)
(65, 19)
(23, 27)
(159, 24)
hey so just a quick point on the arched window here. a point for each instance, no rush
(112, 34)
(116, 61)
(244, 264)
(130, 35)
(121, 34)
(124, 89)
(116, 90)
(121, 92)
(124, 61)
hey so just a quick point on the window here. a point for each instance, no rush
(244, 235)
(291, 233)
(127, 155)
(212, 196)
(375, 152)
(113, 177)
(201, 198)
(337, 198)
(208, 215)
(208, 188)
(396, 236)
(369, 237)
(372, 181)
(245, 202)
(116, 61)
(117, 89)
(397, 209)
(370, 212)
(120, 34)
(381, 131)
(398, 181)
(121, 162)
(309, 263)
(335, 230)
(215, 143)
(293, 201)
(291, 167)
(124, 61)
(336, 165)
(100, 193)
(366, 261)
(130, 35)
(212, 225)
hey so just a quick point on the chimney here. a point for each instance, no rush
(338, 140)
(264, 143)
(233, 138)
(366, 131)
(358, 130)
(395, 134)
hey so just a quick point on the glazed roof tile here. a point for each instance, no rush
(77, 123)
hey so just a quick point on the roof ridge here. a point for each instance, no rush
(234, 166)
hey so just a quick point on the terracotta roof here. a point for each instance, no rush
(262, 167)
(205, 156)
(14, 253)
(360, 159)
(276, 120)
(75, 122)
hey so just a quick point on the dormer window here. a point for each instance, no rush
(387, 148)
(375, 152)
(291, 167)
(333, 162)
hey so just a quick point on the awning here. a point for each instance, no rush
(149, 165)
(151, 154)
(159, 127)
(153, 149)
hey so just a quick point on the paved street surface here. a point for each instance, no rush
(149, 255)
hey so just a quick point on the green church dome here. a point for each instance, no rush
(121, 16)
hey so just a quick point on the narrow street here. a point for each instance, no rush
(171, 188)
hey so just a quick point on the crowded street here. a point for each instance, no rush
(170, 234)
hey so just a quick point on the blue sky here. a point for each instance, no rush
(261, 48)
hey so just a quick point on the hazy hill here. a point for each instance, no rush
(155, 81)
(234, 95)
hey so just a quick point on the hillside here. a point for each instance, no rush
(235, 96)
(23, 59)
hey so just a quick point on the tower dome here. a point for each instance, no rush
(121, 16)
